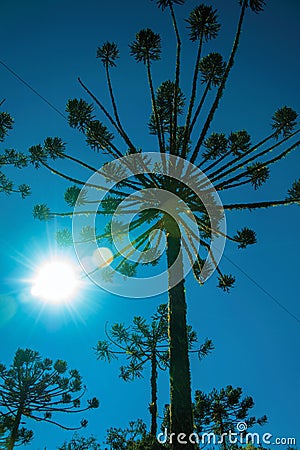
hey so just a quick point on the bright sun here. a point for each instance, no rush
(56, 281)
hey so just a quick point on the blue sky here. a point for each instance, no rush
(49, 44)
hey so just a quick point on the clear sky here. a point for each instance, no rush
(49, 44)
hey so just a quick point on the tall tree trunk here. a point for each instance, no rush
(153, 406)
(14, 431)
(181, 415)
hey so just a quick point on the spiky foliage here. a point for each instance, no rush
(6, 124)
(203, 23)
(226, 282)
(284, 120)
(146, 47)
(81, 443)
(23, 437)
(98, 136)
(220, 411)
(245, 237)
(129, 438)
(38, 389)
(258, 174)
(212, 68)
(72, 196)
(216, 145)
(37, 156)
(80, 113)
(54, 147)
(144, 342)
(256, 5)
(42, 212)
(239, 141)
(163, 4)
(11, 157)
(164, 104)
(108, 53)
(294, 192)
(229, 159)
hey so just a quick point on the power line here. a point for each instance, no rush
(32, 89)
(263, 289)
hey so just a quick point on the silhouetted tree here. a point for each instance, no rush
(37, 389)
(218, 413)
(81, 443)
(221, 411)
(229, 161)
(142, 343)
(10, 158)
(133, 437)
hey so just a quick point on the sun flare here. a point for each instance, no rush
(55, 281)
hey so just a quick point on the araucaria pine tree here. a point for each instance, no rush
(180, 125)
(141, 343)
(38, 389)
(10, 157)
(221, 411)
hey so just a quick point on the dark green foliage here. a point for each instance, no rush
(137, 342)
(80, 113)
(164, 105)
(167, 3)
(97, 135)
(72, 196)
(130, 438)
(12, 157)
(294, 192)
(226, 282)
(284, 120)
(42, 212)
(245, 237)
(133, 437)
(239, 141)
(258, 174)
(220, 411)
(181, 130)
(6, 124)
(6, 185)
(216, 145)
(23, 436)
(127, 269)
(146, 47)
(36, 388)
(110, 203)
(144, 342)
(256, 5)
(37, 156)
(212, 68)
(108, 54)
(24, 190)
(203, 23)
(81, 443)
(54, 147)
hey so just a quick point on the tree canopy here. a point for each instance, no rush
(38, 389)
